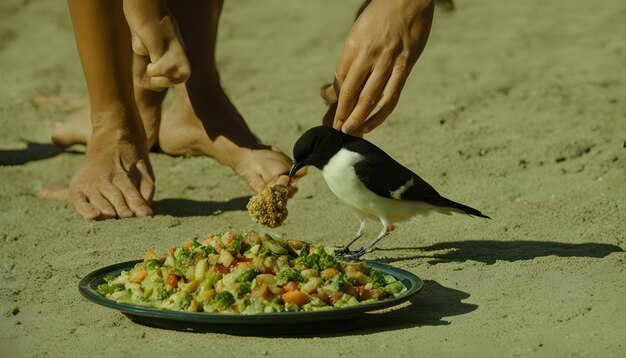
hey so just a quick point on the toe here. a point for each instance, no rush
(61, 136)
(57, 192)
(83, 207)
(135, 201)
(116, 198)
(146, 186)
(107, 211)
(76, 129)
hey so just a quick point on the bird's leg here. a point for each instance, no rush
(386, 230)
(346, 249)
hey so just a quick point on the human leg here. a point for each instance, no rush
(159, 62)
(203, 120)
(115, 178)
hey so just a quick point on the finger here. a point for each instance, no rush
(159, 83)
(107, 211)
(135, 201)
(349, 91)
(341, 72)
(368, 99)
(138, 46)
(168, 69)
(328, 93)
(288, 182)
(140, 79)
(257, 183)
(140, 63)
(146, 182)
(291, 191)
(388, 101)
(82, 206)
(282, 180)
(116, 198)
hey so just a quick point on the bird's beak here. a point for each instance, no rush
(295, 167)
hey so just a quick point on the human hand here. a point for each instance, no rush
(266, 167)
(114, 180)
(159, 60)
(381, 48)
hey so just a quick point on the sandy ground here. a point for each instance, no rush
(516, 108)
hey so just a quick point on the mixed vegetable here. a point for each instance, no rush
(248, 273)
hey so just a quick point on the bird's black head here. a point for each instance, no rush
(316, 146)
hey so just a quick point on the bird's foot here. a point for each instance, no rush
(346, 252)
(353, 254)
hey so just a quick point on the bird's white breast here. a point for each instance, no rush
(344, 183)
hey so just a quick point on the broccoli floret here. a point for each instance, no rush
(204, 251)
(318, 259)
(244, 288)
(108, 288)
(181, 255)
(180, 272)
(236, 245)
(246, 276)
(378, 279)
(289, 274)
(394, 288)
(151, 264)
(224, 299)
(185, 302)
(326, 260)
(339, 281)
(164, 291)
(316, 302)
(351, 280)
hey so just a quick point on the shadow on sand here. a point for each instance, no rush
(186, 207)
(490, 251)
(32, 152)
(429, 308)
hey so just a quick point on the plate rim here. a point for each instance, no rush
(87, 288)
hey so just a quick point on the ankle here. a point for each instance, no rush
(119, 125)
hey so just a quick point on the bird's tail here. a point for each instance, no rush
(446, 205)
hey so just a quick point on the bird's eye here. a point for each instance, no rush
(309, 149)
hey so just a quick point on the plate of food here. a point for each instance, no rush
(247, 279)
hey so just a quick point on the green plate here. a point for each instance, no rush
(267, 323)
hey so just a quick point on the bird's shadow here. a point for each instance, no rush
(429, 308)
(490, 251)
(186, 207)
(32, 152)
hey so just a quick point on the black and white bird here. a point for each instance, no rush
(368, 180)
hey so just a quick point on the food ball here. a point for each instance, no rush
(269, 207)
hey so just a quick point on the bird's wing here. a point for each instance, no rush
(386, 177)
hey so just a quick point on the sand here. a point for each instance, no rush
(515, 108)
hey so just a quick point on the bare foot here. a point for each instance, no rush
(160, 60)
(57, 192)
(214, 128)
(76, 129)
(115, 179)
